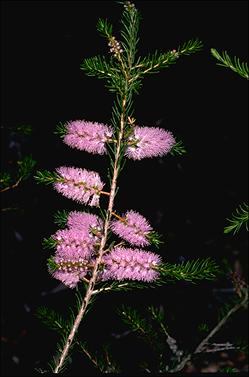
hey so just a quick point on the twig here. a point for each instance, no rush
(96, 291)
(12, 186)
(105, 193)
(217, 347)
(89, 356)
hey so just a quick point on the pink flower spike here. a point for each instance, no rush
(149, 142)
(70, 272)
(73, 256)
(87, 223)
(132, 264)
(79, 184)
(134, 228)
(67, 278)
(72, 243)
(87, 136)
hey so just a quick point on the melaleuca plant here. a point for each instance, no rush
(104, 252)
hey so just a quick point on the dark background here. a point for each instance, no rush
(187, 199)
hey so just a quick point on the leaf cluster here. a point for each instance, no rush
(60, 218)
(155, 239)
(137, 323)
(102, 360)
(52, 319)
(60, 130)
(46, 177)
(238, 218)
(234, 64)
(152, 329)
(25, 167)
(178, 149)
(156, 61)
(191, 271)
(49, 243)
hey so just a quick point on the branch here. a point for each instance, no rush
(217, 347)
(12, 186)
(154, 62)
(236, 66)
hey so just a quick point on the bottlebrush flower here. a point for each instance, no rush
(149, 142)
(72, 243)
(79, 184)
(73, 256)
(87, 136)
(132, 264)
(132, 227)
(70, 279)
(90, 224)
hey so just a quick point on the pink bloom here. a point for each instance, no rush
(132, 264)
(149, 142)
(87, 136)
(70, 279)
(73, 255)
(79, 184)
(90, 224)
(72, 243)
(134, 228)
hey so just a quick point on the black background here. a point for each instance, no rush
(185, 198)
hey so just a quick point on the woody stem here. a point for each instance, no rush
(92, 281)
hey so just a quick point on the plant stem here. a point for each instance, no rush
(92, 281)
(119, 217)
(12, 186)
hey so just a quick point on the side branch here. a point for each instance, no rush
(12, 186)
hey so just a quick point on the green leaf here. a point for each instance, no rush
(5, 179)
(52, 319)
(60, 218)
(46, 177)
(49, 243)
(60, 129)
(153, 63)
(26, 165)
(199, 269)
(178, 149)
(203, 328)
(52, 266)
(155, 239)
(98, 66)
(239, 218)
(190, 47)
(104, 361)
(235, 64)
(129, 32)
(134, 320)
(104, 28)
